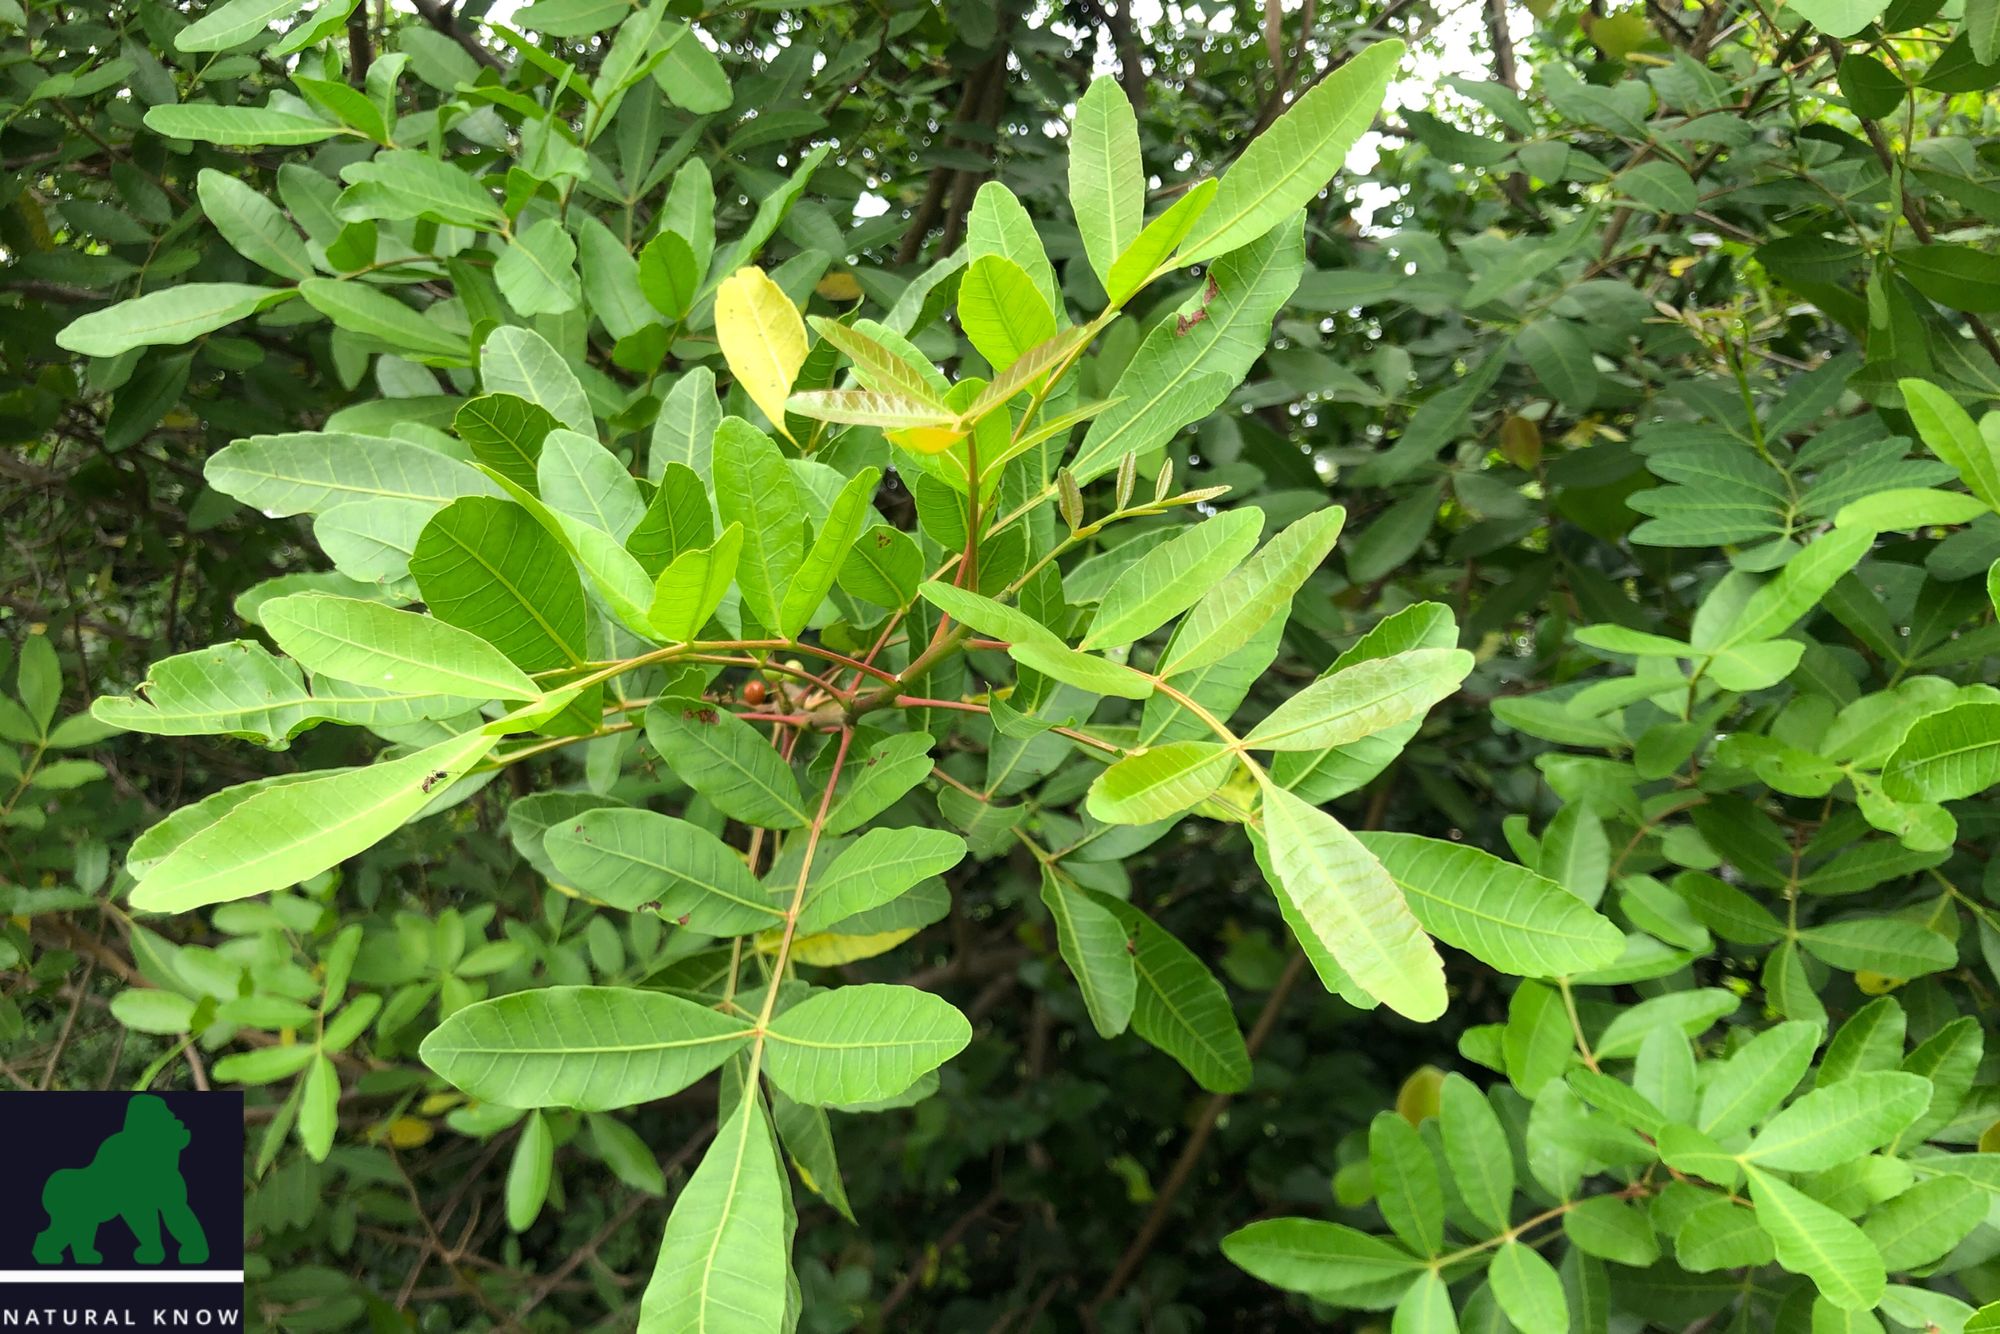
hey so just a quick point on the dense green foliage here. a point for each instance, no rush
(804, 668)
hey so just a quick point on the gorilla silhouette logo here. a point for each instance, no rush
(136, 1176)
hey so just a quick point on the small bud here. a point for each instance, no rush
(1069, 497)
(1128, 473)
(1164, 487)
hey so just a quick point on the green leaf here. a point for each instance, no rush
(229, 25)
(591, 1048)
(754, 487)
(1529, 1290)
(1796, 590)
(1502, 914)
(1180, 1007)
(724, 1262)
(506, 434)
(1839, 18)
(529, 1172)
(1287, 165)
(1159, 783)
(252, 224)
(1476, 1151)
(1234, 610)
(1813, 1240)
(309, 472)
(1611, 1229)
(691, 587)
(877, 868)
(537, 270)
(1426, 1308)
(172, 315)
(1369, 697)
(1034, 645)
(630, 858)
(1892, 946)
(690, 75)
(1840, 1122)
(1407, 1189)
(823, 559)
(373, 645)
(1560, 356)
(520, 362)
(1744, 1089)
(726, 760)
(1171, 577)
(1149, 251)
(319, 1108)
(861, 1043)
(237, 127)
(1182, 372)
(238, 688)
(487, 567)
(384, 322)
(403, 184)
(1954, 437)
(1306, 1255)
(1001, 310)
(1092, 942)
(283, 835)
(1947, 755)
(1107, 185)
(1337, 890)
(1925, 1222)
(883, 567)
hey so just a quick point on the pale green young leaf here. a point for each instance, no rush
(172, 315)
(632, 858)
(725, 1259)
(1173, 576)
(1425, 1309)
(686, 426)
(1502, 914)
(1139, 261)
(867, 407)
(1892, 946)
(1161, 782)
(879, 366)
(1287, 165)
(726, 760)
(591, 1048)
(1358, 701)
(1093, 943)
(1001, 311)
(369, 644)
(405, 183)
(879, 779)
(1180, 1007)
(1107, 185)
(1790, 594)
(283, 835)
(1261, 589)
(579, 478)
(861, 1043)
(1349, 902)
(319, 1106)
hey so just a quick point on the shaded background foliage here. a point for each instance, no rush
(1583, 232)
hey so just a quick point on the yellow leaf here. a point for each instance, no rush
(407, 1132)
(1418, 1099)
(763, 339)
(839, 287)
(926, 439)
(1871, 983)
(1989, 1139)
(828, 950)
